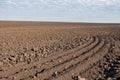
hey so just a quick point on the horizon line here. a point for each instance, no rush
(51, 21)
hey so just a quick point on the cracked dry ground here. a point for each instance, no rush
(59, 51)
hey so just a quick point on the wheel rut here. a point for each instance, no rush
(85, 65)
(16, 70)
(66, 59)
(70, 62)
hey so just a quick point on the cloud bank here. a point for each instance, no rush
(59, 3)
(61, 9)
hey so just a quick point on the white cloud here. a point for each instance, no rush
(78, 9)
(99, 2)
(64, 4)
(64, 1)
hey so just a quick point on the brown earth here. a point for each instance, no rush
(59, 51)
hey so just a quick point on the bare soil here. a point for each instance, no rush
(59, 51)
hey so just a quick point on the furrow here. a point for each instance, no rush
(20, 68)
(65, 59)
(87, 63)
(70, 63)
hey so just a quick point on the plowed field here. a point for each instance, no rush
(59, 51)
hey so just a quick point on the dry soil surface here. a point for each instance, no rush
(59, 51)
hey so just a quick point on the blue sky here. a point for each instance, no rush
(61, 10)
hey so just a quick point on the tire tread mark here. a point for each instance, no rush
(16, 69)
(63, 62)
(84, 65)
(76, 57)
